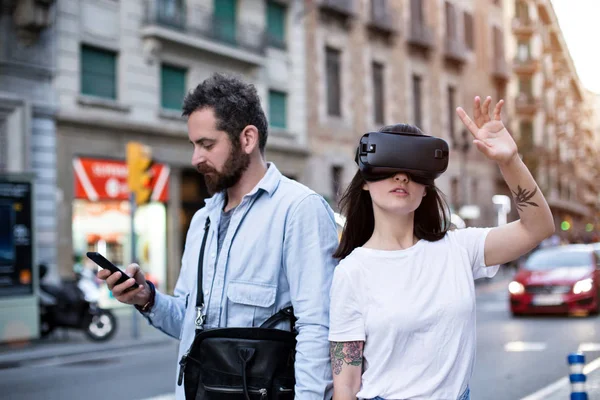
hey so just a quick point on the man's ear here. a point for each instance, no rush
(249, 139)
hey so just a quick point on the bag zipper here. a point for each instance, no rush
(219, 389)
(284, 390)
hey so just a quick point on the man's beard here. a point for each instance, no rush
(234, 167)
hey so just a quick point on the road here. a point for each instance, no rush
(515, 357)
(518, 356)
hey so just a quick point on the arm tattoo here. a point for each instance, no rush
(523, 198)
(349, 353)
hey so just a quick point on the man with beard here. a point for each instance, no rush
(269, 244)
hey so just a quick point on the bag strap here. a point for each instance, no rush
(282, 315)
(200, 316)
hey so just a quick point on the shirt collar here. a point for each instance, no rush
(268, 184)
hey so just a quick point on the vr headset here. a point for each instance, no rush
(381, 155)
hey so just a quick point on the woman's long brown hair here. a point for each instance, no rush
(432, 217)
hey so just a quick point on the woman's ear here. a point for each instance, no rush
(365, 187)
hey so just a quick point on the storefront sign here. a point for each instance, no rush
(16, 242)
(98, 179)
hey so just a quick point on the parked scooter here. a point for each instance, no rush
(74, 305)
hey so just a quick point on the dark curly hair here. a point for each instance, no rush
(236, 105)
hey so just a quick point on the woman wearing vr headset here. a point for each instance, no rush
(402, 317)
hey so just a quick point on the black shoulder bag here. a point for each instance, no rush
(238, 363)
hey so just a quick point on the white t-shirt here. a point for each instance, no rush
(415, 310)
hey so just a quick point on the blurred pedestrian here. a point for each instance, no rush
(402, 318)
(270, 240)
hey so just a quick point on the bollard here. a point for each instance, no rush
(576, 376)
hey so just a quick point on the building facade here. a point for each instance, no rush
(28, 198)
(379, 62)
(123, 70)
(554, 118)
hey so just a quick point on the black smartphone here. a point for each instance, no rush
(104, 263)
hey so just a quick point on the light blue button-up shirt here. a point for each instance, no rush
(277, 251)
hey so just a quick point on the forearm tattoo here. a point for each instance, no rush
(523, 198)
(349, 353)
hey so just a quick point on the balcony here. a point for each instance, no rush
(526, 104)
(500, 69)
(523, 27)
(199, 28)
(526, 66)
(344, 9)
(455, 50)
(382, 20)
(421, 36)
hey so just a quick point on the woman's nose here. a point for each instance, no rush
(401, 176)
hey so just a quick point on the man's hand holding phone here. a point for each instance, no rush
(139, 296)
(129, 287)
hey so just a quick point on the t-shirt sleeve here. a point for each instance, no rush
(473, 241)
(346, 323)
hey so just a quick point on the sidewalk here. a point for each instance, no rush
(561, 389)
(69, 342)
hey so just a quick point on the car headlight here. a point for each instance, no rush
(516, 288)
(583, 286)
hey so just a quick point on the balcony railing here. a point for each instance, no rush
(421, 35)
(382, 19)
(523, 26)
(203, 23)
(526, 66)
(343, 8)
(526, 104)
(455, 50)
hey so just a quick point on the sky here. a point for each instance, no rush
(579, 21)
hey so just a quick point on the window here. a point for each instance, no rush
(378, 10)
(378, 93)
(523, 50)
(171, 13)
(474, 190)
(454, 191)
(416, 12)
(525, 86)
(526, 133)
(172, 87)
(336, 178)
(276, 24)
(98, 72)
(498, 44)
(469, 31)
(451, 112)
(278, 109)
(225, 18)
(334, 87)
(416, 88)
(521, 11)
(450, 21)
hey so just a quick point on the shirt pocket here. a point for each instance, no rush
(249, 304)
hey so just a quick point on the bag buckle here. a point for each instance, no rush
(200, 317)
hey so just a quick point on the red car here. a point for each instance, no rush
(562, 279)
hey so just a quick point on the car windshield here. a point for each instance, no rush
(557, 258)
